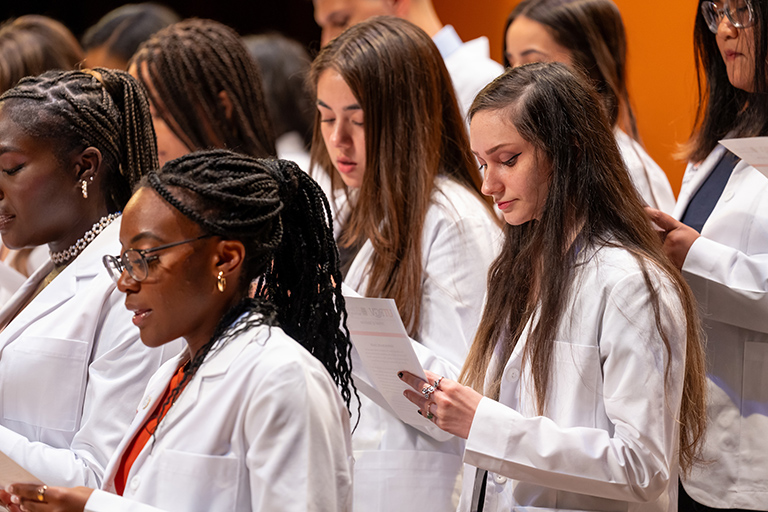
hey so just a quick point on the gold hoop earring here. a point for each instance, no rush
(221, 282)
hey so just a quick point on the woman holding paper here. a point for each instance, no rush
(249, 417)
(588, 351)
(413, 227)
(721, 244)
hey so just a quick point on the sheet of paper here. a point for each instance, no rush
(753, 150)
(12, 473)
(385, 349)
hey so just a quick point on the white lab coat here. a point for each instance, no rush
(396, 466)
(261, 427)
(609, 437)
(471, 68)
(72, 368)
(727, 268)
(650, 181)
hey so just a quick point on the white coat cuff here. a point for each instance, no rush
(484, 432)
(704, 255)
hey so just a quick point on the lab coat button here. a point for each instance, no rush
(146, 402)
(513, 375)
(728, 195)
(500, 479)
(135, 483)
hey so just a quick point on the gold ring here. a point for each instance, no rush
(41, 493)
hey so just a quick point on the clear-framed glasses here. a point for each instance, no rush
(136, 261)
(738, 12)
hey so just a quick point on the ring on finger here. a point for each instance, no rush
(427, 391)
(41, 493)
(437, 383)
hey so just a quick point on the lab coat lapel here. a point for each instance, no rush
(217, 363)
(693, 179)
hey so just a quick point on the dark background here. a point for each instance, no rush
(294, 18)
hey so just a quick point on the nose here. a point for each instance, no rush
(126, 283)
(327, 34)
(340, 136)
(491, 185)
(725, 28)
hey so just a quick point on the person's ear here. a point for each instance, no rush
(87, 164)
(401, 8)
(229, 259)
(226, 104)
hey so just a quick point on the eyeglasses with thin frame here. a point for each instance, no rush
(136, 262)
(738, 12)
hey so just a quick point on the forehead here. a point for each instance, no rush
(525, 31)
(328, 11)
(147, 212)
(13, 136)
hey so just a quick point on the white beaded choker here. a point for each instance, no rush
(65, 256)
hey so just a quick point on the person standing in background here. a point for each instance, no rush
(721, 244)
(590, 35)
(469, 64)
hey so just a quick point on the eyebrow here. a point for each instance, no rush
(529, 51)
(496, 148)
(354, 106)
(144, 235)
(9, 149)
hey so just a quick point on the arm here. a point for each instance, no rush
(456, 260)
(117, 376)
(633, 456)
(299, 453)
(730, 285)
(65, 499)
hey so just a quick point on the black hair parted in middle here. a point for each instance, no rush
(283, 219)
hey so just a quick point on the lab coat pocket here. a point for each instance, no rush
(576, 384)
(52, 370)
(193, 481)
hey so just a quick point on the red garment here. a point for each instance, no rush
(133, 450)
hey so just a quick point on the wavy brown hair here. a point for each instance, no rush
(414, 132)
(591, 203)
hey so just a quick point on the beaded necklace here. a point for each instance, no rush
(63, 257)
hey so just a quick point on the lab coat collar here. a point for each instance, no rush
(86, 265)
(696, 179)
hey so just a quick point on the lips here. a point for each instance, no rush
(5, 220)
(502, 205)
(345, 166)
(730, 54)
(140, 316)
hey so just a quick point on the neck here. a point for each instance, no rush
(78, 229)
(423, 15)
(197, 340)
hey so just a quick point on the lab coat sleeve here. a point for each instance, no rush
(632, 461)
(299, 455)
(456, 269)
(730, 285)
(117, 375)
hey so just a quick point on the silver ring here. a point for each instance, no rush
(427, 391)
(437, 382)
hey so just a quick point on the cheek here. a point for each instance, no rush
(169, 146)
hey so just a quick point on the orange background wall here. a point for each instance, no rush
(662, 79)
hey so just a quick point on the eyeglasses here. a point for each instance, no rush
(136, 262)
(738, 12)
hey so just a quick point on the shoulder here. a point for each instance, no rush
(474, 56)
(456, 208)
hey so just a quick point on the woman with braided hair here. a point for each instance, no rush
(205, 91)
(72, 146)
(249, 417)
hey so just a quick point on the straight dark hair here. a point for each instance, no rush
(723, 110)
(591, 203)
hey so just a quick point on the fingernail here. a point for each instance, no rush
(15, 499)
(400, 374)
(419, 411)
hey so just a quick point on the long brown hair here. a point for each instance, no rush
(413, 133)
(593, 31)
(185, 68)
(591, 203)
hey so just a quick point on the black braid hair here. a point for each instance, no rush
(102, 108)
(283, 219)
(188, 65)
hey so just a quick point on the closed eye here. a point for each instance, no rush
(11, 172)
(512, 161)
